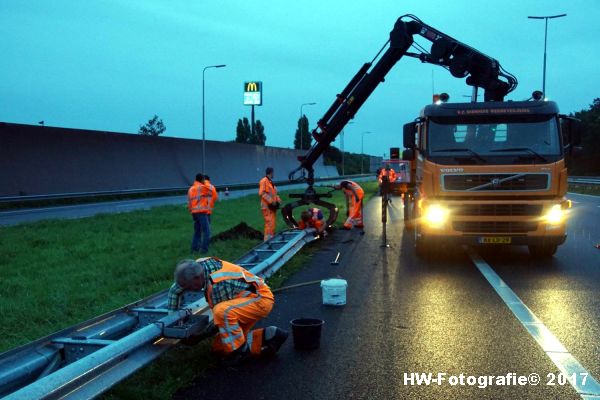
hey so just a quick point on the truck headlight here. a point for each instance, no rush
(555, 215)
(436, 215)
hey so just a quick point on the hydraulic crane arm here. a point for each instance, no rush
(461, 60)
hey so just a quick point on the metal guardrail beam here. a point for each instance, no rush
(584, 180)
(117, 359)
(232, 187)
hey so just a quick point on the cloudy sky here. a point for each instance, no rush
(112, 64)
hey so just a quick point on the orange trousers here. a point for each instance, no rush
(235, 319)
(354, 214)
(270, 217)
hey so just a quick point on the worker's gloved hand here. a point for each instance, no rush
(274, 206)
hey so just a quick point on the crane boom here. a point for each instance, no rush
(460, 59)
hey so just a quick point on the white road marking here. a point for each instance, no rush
(559, 355)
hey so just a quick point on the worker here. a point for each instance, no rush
(312, 218)
(198, 205)
(213, 196)
(354, 196)
(238, 300)
(269, 202)
(387, 172)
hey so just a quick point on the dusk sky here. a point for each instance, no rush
(111, 65)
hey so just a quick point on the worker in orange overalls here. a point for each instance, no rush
(312, 218)
(389, 172)
(213, 196)
(238, 300)
(199, 207)
(354, 196)
(269, 202)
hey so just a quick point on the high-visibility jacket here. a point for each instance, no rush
(198, 201)
(267, 192)
(391, 174)
(350, 193)
(232, 271)
(212, 195)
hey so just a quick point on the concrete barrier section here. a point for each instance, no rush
(38, 160)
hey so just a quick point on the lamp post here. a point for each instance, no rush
(300, 123)
(362, 151)
(203, 131)
(342, 147)
(545, 42)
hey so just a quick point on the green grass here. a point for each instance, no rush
(585, 189)
(57, 273)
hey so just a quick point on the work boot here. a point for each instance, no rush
(276, 337)
(237, 357)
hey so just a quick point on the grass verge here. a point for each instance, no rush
(62, 272)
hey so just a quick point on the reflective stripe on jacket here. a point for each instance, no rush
(267, 192)
(198, 199)
(232, 271)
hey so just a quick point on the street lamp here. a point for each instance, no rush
(300, 122)
(203, 132)
(342, 147)
(545, 41)
(362, 151)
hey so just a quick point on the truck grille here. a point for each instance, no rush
(494, 226)
(496, 209)
(496, 182)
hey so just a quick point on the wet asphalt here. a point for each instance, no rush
(406, 315)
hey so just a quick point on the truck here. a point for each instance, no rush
(484, 173)
(489, 173)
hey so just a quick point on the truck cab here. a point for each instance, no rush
(488, 173)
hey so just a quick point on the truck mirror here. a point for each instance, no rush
(575, 132)
(571, 131)
(408, 155)
(576, 151)
(409, 135)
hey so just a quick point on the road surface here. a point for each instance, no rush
(407, 316)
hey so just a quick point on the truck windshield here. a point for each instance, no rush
(533, 138)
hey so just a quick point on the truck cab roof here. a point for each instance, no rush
(490, 108)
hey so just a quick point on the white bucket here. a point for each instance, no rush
(334, 292)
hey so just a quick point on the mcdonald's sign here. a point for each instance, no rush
(253, 93)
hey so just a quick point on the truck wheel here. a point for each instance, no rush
(406, 207)
(542, 251)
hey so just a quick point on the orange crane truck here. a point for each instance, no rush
(484, 173)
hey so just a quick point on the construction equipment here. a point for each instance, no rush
(484, 173)
(461, 60)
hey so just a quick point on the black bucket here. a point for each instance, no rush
(306, 333)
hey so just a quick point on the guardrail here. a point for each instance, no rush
(151, 191)
(85, 360)
(585, 180)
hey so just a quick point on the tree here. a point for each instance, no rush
(243, 131)
(302, 130)
(259, 134)
(153, 127)
(587, 163)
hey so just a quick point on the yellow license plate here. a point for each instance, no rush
(495, 240)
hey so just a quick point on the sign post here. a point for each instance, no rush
(253, 97)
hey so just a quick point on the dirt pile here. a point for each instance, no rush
(241, 230)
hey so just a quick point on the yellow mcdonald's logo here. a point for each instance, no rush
(251, 87)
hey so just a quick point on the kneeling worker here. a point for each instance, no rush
(238, 300)
(312, 218)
